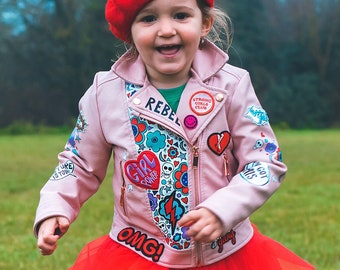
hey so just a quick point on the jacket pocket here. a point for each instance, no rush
(123, 191)
(226, 163)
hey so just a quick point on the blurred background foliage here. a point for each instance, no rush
(51, 49)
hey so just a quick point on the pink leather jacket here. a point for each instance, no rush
(217, 151)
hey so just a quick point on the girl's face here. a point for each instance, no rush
(167, 33)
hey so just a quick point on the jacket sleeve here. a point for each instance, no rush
(82, 165)
(260, 169)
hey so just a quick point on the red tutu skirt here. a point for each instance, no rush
(261, 252)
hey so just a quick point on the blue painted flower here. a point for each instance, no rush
(184, 233)
(153, 201)
(155, 140)
(270, 148)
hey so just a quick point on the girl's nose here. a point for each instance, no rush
(166, 28)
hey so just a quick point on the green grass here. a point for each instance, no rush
(303, 214)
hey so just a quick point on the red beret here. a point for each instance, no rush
(121, 13)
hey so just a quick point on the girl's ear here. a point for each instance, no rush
(208, 22)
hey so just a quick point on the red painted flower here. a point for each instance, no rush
(172, 152)
(138, 128)
(181, 176)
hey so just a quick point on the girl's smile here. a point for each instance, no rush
(169, 50)
(167, 33)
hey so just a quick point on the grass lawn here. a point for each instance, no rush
(303, 214)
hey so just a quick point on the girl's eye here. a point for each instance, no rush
(148, 18)
(181, 16)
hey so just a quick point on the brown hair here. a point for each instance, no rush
(222, 31)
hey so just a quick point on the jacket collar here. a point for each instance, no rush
(208, 60)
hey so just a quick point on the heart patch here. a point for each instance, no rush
(218, 142)
(145, 171)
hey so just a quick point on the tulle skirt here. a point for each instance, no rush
(261, 252)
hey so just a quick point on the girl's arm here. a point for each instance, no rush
(82, 165)
(260, 169)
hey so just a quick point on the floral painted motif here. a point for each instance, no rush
(171, 200)
(181, 176)
(155, 141)
(138, 128)
(269, 147)
(173, 152)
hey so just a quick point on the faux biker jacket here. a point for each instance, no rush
(216, 151)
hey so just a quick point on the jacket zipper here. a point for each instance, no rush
(198, 245)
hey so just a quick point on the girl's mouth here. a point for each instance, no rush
(169, 49)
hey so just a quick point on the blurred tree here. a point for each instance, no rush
(50, 50)
(53, 61)
(306, 42)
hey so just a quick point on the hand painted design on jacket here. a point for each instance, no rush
(169, 199)
(81, 126)
(269, 146)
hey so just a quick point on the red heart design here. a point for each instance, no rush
(218, 142)
(145, 171)
(185, 200)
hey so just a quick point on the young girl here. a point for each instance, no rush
(194, 154)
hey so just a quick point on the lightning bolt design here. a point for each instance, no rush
(172, 210)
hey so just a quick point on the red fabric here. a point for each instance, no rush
(261, 252)
(121, 13)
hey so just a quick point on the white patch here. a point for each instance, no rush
(63, 170)
(256, 173)
(202, 103)
(257, 115)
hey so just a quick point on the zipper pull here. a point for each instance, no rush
(196, 154)
(226, 165)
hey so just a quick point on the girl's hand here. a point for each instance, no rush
(50, 231)
(203, 225)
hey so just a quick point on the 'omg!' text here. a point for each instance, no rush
(140, 242)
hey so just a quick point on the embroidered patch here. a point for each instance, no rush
(218, 142)
(202, 103)
(256, 173)
(228, 237)
(257, 115)
(63, 170)
(149, 247)
(145, 171)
